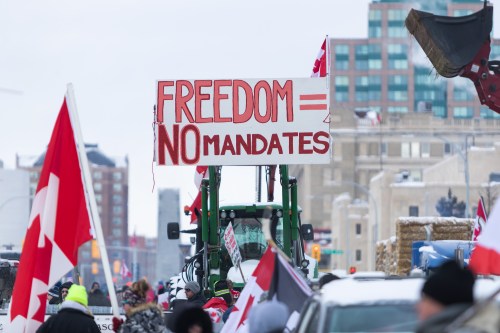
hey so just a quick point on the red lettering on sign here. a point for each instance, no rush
(274, 143)
(305, 140)
(263, 85)
(246, 145)
(227, 145)
(181, 100)
(290, 136)
(171, 145)
(217, 98)
(262, 139)
(325, 143)
(199, 97)
(247, 113)
(214, 141)
(162, 97)
(283, 92)
(184, 133)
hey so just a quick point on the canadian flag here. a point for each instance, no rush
(485, 258)
(58, 225)
(319, 69)
(480, 219)
(258, 283)
(124, 271)
(200, 173)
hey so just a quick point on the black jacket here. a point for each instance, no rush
(70, 319)
(198, 300)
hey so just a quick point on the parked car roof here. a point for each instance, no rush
(354, 291)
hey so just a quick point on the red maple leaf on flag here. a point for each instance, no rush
(58, 225)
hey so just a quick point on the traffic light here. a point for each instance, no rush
(95, 268)
(116, 266)
(95, 250)
(316, 252)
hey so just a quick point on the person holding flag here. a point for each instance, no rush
(59, 223)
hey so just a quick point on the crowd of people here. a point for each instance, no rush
(445, 295)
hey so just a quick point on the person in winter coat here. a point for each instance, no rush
(142, 317)
(74, 316)
(188, 318)
(193, 294)
(445, 295)
(218, 305)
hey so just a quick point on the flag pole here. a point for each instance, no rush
(90, 195)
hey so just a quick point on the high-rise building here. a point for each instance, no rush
(422, 121)
(14, 208)
(168, 261)
(110, 180)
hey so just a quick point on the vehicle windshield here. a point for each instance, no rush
(395, 317)
(250, 237)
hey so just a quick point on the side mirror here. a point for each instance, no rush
(173, 230)
(306, 231)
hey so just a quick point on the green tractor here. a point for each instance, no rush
(251, 223)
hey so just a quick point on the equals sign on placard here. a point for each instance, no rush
(313, 102)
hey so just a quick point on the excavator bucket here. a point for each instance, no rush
(450, 43)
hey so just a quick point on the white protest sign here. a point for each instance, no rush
(242, 122)
(232, 246)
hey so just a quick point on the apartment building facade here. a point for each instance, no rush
(424, 120)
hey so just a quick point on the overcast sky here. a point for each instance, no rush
(114, 51)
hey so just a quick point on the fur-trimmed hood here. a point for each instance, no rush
(142, 307)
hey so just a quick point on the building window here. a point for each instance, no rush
(383, 149)
(97, 175)
(117, 199)
(358, 229)
(398, 96)
(416, 175)
(342, 57)
(116, 242)
(405, 149)
(358, 255)
(375, 24)
(98, 198)
(117, 209)
(415, 149)
(397, 109)
(342, 49)
(341, 88)
(117, 221)
(361, 54)
(462, 12)
(97, 187)
(397, 14)
(342, 65)
(426, 149)
(447, 149)
(462, 93)
(463, 112)
(398, 64)
(413, 211)
(487, 113)
(117, 187)
(375, 15)
(117, 232)
(342, 96)
(117, 176)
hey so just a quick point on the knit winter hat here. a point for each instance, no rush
(221, 288)
(450, 284)
(132, 299)
(193, 286)
(77, 294)
(268, 317)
